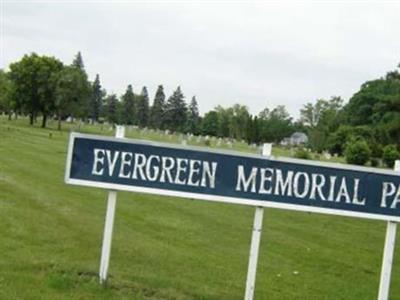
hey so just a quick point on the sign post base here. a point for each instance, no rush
(255, 242)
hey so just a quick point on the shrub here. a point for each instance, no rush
(390, 154)
(374, 162)
(302, 153)
(376, 149)
(357, 152)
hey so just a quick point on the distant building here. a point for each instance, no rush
(296, 139)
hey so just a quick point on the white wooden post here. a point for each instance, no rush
(388, 252)
(255, 242)
(109, 224)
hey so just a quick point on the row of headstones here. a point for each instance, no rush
(199, 139)
(325, 154)
(187, 137)
(229, 142)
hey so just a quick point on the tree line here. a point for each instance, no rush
(368, 125)
(44, 86)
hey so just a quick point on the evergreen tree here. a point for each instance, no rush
(176, 111)
(96, 101)
(252, 130)
(128, 106)
(193, 116)
(78, 62)
(112, 109)
(143, 108)
(81, 104)
(158, 109)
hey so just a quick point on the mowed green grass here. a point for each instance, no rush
(164, 247)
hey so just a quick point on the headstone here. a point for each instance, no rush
(327, 155)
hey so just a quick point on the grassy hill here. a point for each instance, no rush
(164, 247)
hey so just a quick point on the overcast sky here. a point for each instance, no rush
(260, 54)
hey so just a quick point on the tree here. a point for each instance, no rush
(308, 115)
(128, 106)
(34, 80)
(193, 116)
(210, 123)
(331, 114)
(252, 130)
(5, 94)
(78, 62)
(264, 114)
(322, 113)
(238, 121)
(275, 124)
(82, 103)
(158, 109)
(390, 155)
(320, 120)
(112, 109)
(71, 87)
(176, 111)
(377, 105)
(224, 120)
(143, 108)
(48, 75)
(337, 141)
(96, 100)
(357, 152)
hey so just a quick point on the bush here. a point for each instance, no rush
(302, 153)
(376, 150)
(357, 152)
(374, 162)
(390, 154)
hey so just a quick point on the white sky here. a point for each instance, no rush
(260, 54)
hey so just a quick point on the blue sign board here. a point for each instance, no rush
(227, 176)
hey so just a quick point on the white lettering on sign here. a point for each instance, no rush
(194, 171)
(112, 161)
(317, 183)
(98, 159)
(264, 179)
(165, 169)
(282, 185)
(126, 160)
(355, 194)
(245, 183)
(302, 185)
(388, 190)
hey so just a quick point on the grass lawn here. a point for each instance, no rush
(164, 247)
